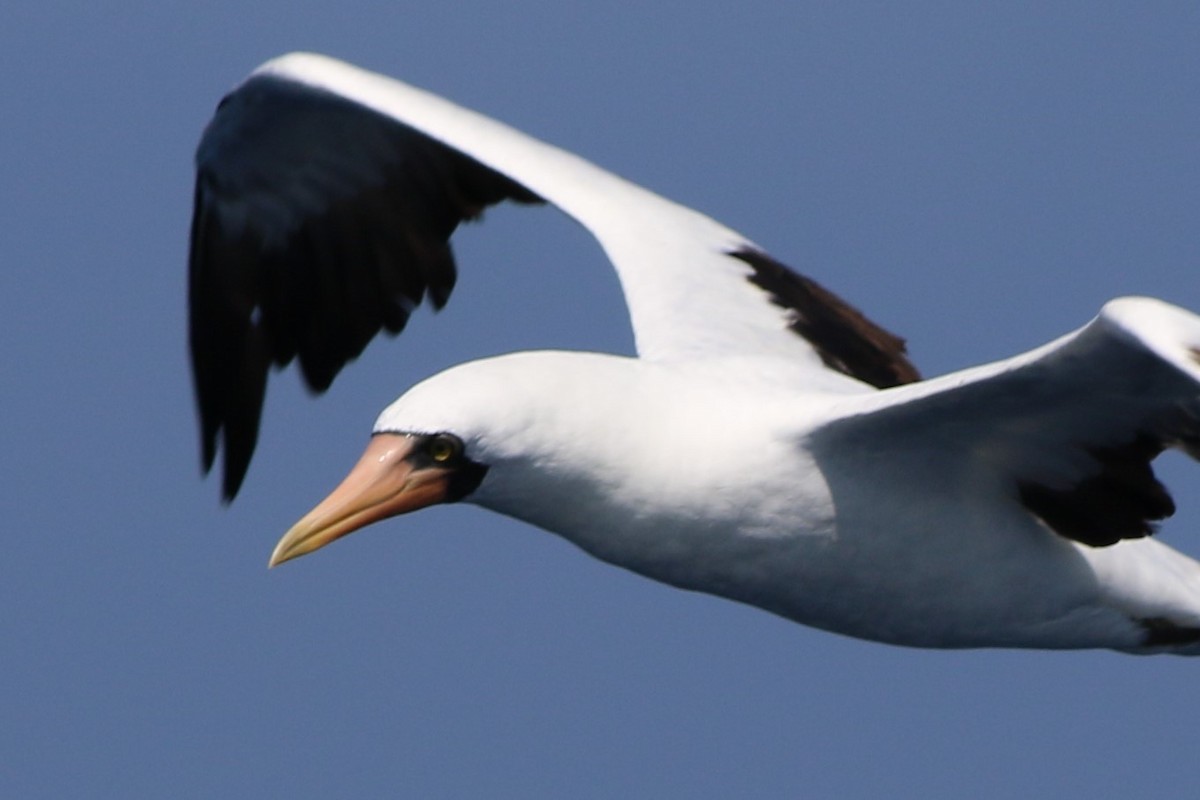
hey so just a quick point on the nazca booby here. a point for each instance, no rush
(769, 444)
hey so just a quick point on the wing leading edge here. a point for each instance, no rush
(325, 199)
(1070, 429)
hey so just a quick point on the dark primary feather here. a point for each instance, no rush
(1074, 432)
(317, 223)
(1120, 499)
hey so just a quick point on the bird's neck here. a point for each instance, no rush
(684, 497)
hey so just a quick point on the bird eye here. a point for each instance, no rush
(444, 448)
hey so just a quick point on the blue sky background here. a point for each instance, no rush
(977, 177)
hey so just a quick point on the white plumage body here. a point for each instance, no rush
(747, 452)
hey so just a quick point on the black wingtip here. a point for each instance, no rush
(317, 223)
(232, 482)
(1121, 499)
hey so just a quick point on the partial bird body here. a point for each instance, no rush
(769, 444)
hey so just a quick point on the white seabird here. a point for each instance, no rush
(769, 444)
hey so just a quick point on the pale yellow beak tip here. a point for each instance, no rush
(277, 558)
(295, 543)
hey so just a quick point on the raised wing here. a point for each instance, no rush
(325, 197)
(1069, 430)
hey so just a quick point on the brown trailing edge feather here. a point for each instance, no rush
(844, 339)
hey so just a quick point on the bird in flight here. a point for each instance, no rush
(768, 444)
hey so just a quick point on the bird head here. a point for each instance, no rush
(510, 419)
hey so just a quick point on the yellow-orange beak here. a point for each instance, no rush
(382, 484)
